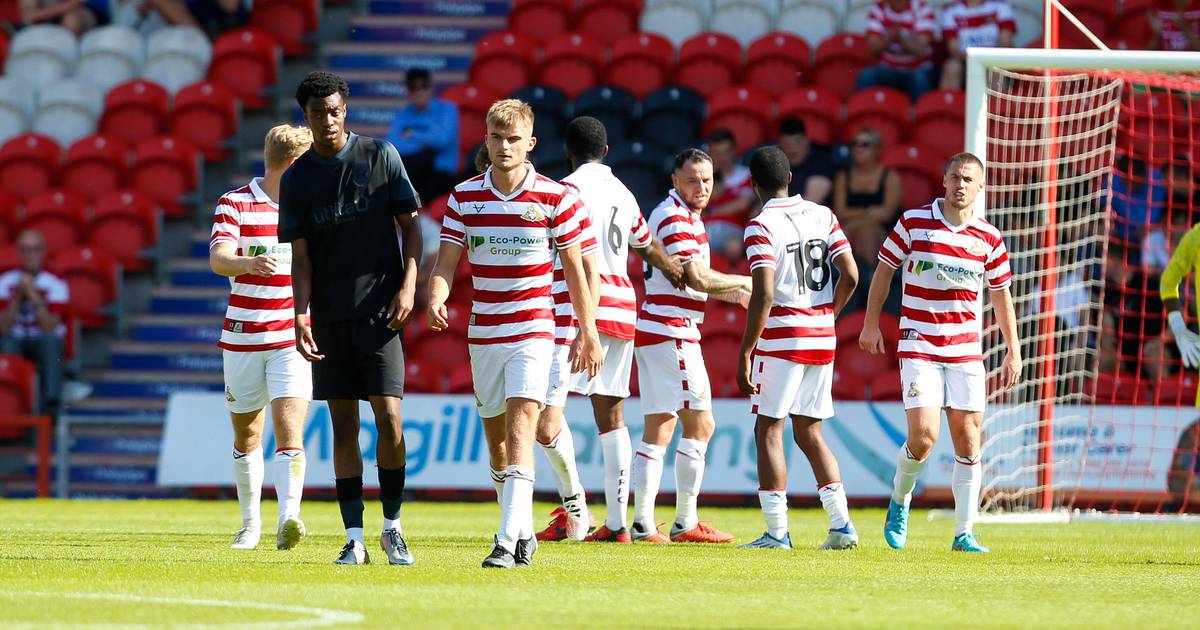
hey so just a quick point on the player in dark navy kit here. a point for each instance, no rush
(350, 212)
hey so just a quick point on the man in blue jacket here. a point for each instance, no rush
(425, 132)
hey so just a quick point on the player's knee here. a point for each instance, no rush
(920, 444)
(768, 431)
(809, 438)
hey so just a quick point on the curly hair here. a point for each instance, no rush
(769, 168)
(586, 138)
(320, 84)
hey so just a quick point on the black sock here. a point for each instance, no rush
(350, 500)
(391, 491)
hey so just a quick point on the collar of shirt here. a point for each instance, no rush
(783, 202)
(596, 167)
(530, 177)
(937, 214)
(351, 139)
(261, 195)
(674, 195)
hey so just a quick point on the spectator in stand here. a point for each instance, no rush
(75, 15)
(147, 16)
(1132, 300)
(1174, 25)
(812, 168)
(1139, 198)
(425, 132)
(32, 304)
(218, 16)
(729, 208)
(900, 33)
(866, 197)
(967, 23)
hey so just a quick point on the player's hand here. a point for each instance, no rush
(743, 298)
(305, 342)
(871, 340)
(674, 271)
(1187, 341)
(585, 355)
(400, 310)
(263, 265)
(437, 317)
(743, 375)
(1010, 372)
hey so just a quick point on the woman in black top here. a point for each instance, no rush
(866, 197)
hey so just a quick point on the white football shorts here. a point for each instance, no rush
(510, 370)
(560, 376)
(786, 388)
(613, 378)
(254, 379)
(672, 376)
(960, 386)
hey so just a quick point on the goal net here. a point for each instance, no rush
(1091, 178)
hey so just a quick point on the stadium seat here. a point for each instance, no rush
(818, 107)
(744, 20)
(9, 257)
(420, 378)
(166, 169)
(177, 56)
(29, 164)
(838, 60)
(17, 104)
(938, 120)
(676, 20)
(96, 165)
(640, 63)
(1096, 15)
(441, 351)
(848, 384)
(708, 62)
(5, 41)
(460, 380)
(671, 117)
(135, 111)
(42, 54)
(206, 114)
(247, 61)
(885, 110)
(503, 62)
(857, 12)
(609, 20)
(920, 170)
(550, 109)
(571, 62)
(642, 168)
(744, 110)
(612, 106)
(865, 364)
(1120, 389)
(68, 110)
(776, 62)
(110, 55)
(289, 21)
(540, 19)
(849, 325)
(813, 20)
(885, 386)
(60, 216)
(126, 224)
(550, 159)
(18, 385)
(1177, 390)
(720, 354)
(727, 321)
(473, 103)
(94, 280)
(10, 209)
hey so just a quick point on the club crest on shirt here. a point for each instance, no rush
(976, 249)
(533, 214)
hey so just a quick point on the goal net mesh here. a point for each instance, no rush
(1091, 179)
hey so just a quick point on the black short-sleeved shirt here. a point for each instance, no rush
(817, 163)
(344, 206)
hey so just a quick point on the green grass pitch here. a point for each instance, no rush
(129, 563)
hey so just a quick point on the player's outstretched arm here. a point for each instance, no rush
(224, 260)
(1006, 318)
(301, 296)
(700, 277)
(586, 354)
(654, 255)
(870, 338)
(847, 280)
(401, 308)
(440, 282)
(762, 295)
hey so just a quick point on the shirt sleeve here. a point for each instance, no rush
(837, 241)
(875, 21)
(1182, 262)
(925, 23)
(589, 242)
(896, 246)
(402, 197)
(1004, 16)
(566, 222)
(675, 233)
(760, 248)
(999, 276)
(453, 230)
(57, 295)
(949, 24)
(226, 224)
(639, 235)
(292, 226)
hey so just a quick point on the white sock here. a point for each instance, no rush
(393, 523)
(774, 507)
(689, 473)
(248, 475)
(355, 534)
(498, 483)
(833, 499)
(561, 453)
(516, 508)
(968, 476)
(647, 475)
(908, 469)
(618, 458)
(288, 469)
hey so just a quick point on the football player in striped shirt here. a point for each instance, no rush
(671, 373)
(257, 342)
(949, 254)
(786, 361)
(511, 221)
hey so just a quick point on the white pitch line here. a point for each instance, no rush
(320, 616)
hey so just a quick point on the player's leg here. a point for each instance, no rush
(245, 398)
(347, 474)
(772, 484)
(658, 379)
(289, 384)
(493, 433)
(617, 450)
(966, 397)
(572, 520)
(923, 388)
(487, 374)
(390, 455)
(814, 404)
(695, 414)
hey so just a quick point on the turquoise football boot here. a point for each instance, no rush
(967, 542)
(895, 528)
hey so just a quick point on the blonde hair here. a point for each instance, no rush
(509, 112)
(285, 143)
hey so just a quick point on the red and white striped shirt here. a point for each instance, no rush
(510, 242)
(915, 19)
(1172, 18)
(55, 295)
(669, 313)
(261, 314)
(977, 25)
(799, 240)
(566, 327)
(617, 224)
(945, 267)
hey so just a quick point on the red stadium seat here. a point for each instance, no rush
(29, 164)
(247, 61)
(744, 110)
(571, 62)
(920, 170)
(1177, 390)
(722, 378)
(165, 168)
(420, 378)
(849, 325)
(436, 209)
(18, 385)
(1120, 389)
(776, 62)
(503, 62)
(135, 111)
(94, 279)
(10, 258)
(441, 351)
(96, 165)
(848, 384)
(473, 102)
(206, 115)
(1096, 15)
(938, 120)
(125, 224)
(883, 109)
(885, 386)
(721, 320)
(10, 209)
(460, 380)
(708, 62)
(640, 63)
(838, 59)
(819, 108)
(609, 20)
(289, 21)
(59, 215)
(540, 19)
(719, 354)
(867, 365)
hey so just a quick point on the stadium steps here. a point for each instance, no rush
(423, 29)
(186, 329)
(176, 357)
(171, 300)
(117, 406)
(153, 383)
(385, 56)
(390, 83)
(477, 8)
(194, 272)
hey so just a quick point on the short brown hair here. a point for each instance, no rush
(509, 112)
(963, 158)
(285, 143)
